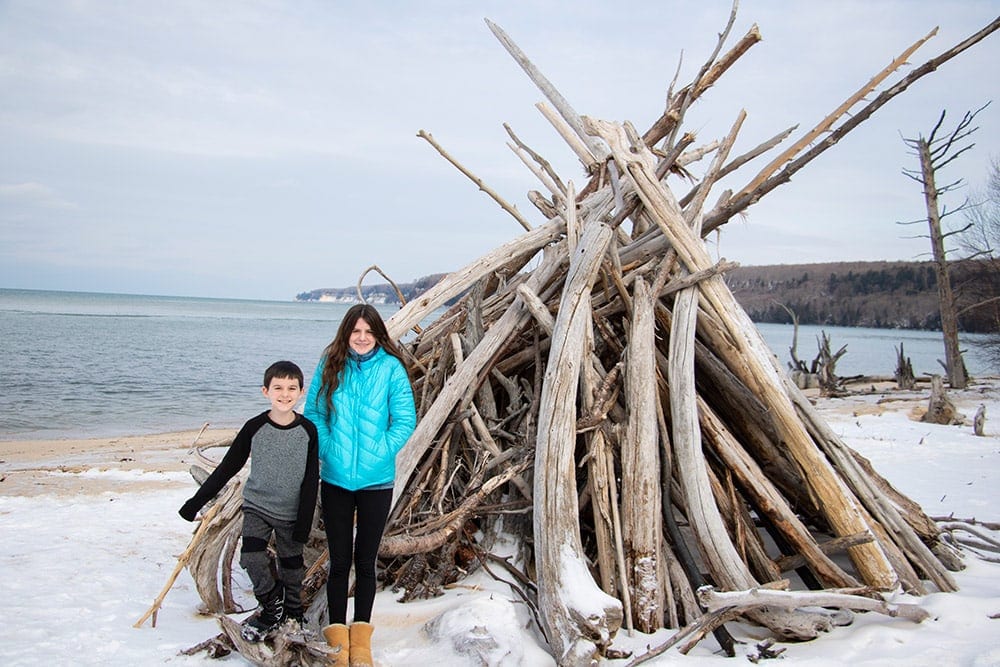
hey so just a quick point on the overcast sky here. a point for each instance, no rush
(261, 148)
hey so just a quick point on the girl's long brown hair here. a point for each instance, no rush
(335, 354)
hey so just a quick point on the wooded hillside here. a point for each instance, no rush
(865, 294)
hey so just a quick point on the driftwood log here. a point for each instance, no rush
(596, 392)
(940, 409)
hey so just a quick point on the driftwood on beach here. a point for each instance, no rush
(597, 394)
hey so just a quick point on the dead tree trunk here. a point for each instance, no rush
(940, 409)
(829, 383)
(904, 371)
(934, 153)
(954, 364)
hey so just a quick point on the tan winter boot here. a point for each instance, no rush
(338, 636)
(361, 644)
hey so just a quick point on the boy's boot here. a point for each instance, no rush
(272, 612)
(294, 612)
(361, 644)
(293, 606)
(337, 637)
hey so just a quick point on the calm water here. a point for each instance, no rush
(80, 365)
(873, 351)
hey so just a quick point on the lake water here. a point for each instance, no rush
(93, 365)
(873, 351)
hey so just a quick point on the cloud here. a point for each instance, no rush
(35, 194)
(219, 130)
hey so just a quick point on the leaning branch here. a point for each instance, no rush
(738, 203)
(510, 208)
(831, 118)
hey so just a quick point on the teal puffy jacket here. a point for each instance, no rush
(372, 419)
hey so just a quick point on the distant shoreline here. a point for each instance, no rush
(884, 294)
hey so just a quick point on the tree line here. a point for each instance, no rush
(890, 295)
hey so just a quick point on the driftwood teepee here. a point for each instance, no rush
(597, 392)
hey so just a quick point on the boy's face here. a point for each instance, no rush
(283, 393)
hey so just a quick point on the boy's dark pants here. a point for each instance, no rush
(257, 530)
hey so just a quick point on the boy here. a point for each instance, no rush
(279, 497)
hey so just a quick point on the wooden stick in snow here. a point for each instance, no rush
(181, 562)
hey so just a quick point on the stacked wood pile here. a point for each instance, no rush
(599, 395)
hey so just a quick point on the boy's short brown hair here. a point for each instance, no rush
(283, 369)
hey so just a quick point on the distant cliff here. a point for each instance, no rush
(379, 294)
(891, 295)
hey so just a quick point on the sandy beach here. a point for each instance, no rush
(36, 467)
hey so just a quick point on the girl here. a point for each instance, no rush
(361, 401)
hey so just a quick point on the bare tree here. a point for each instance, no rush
(934, 153)
(979, 291)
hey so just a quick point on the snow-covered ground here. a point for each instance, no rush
(84, 554)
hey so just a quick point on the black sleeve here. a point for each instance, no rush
(231, 464)
(310, 486)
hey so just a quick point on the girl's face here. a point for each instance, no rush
(362, 339)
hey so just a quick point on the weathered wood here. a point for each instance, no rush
(288, 648)
(602, 482)
(504, 204)
(207, 564)
(824, 125)
(837, 544)
(375, 268)
(692, 469)
(713, 600)
(575, 634)
(755, 366)
(889, 522)
(424, 541)
(456, 385)
(904, 371)
(769, 502)
(979, 421)
(181, 562)
(738, 203)
(711, 72)
(940, 409)
(561, 104)
(519, 249)
(641, 468)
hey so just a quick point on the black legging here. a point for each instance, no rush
(339, 507)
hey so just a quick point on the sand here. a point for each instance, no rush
(36, 467)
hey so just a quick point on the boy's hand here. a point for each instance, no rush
(189, 511)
